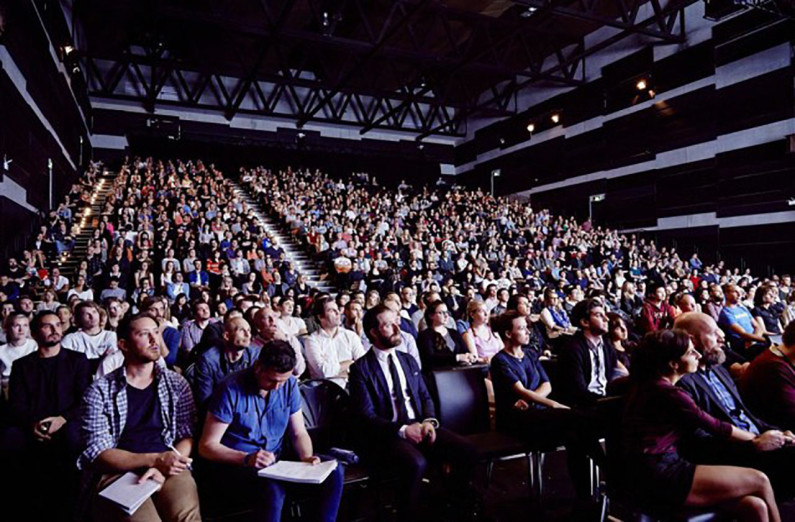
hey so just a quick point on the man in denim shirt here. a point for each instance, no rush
(233, 354)
(248, 417)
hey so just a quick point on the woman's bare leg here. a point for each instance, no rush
(714, 485)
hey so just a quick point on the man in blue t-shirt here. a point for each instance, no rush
(735, 320)
(248, 416)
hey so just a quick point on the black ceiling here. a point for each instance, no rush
(423, 66)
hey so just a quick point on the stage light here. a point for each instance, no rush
(531, 127)
(642, 84)
(67, 50)
(652, 94)
(528, 12)
(555, 117)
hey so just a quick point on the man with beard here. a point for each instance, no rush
(233, 354)
(587, 363)
(714, 391)
(398, 428)
(45, 392)
(140, 418)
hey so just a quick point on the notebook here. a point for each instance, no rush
(300, 472)
(128, 494)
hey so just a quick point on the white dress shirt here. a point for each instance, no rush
(325, 352)
(598, 384)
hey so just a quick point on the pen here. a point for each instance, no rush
(172, 448)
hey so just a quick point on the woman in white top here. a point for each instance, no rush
(167, 277)
(291, 326)
(80, 290)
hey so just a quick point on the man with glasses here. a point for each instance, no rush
(587, 363)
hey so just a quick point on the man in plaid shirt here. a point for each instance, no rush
(140, 418)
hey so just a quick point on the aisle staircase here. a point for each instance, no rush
(303, 263)
(88, 220)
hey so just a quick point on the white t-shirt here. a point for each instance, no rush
(9, 354)
(93, 346)
(292, 326)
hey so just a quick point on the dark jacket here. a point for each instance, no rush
(574, 370)
(697, 386)
(371, 402)
(72, 377)
(434, 352)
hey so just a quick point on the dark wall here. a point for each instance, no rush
(742, 179)
(171, 137)
(23, 136)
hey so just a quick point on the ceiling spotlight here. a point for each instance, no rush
(642, 84)
(420, 146)
(301, 135)
(555, 117)
(527, 13)
(531, 127)
(652, 94)
(68, 49)
(75, 69)
(502, 141)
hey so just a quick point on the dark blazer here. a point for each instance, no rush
(574, 370)
(72, 377)
(371, 402)
(697, 386)
(434, 352)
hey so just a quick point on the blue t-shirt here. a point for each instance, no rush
(254, 422)
(737, 314)
(506, 370)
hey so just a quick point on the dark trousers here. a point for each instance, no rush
(267, 496)
(573, 429)
(50, 466)
(409, 462)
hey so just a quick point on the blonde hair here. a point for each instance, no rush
(472, 306)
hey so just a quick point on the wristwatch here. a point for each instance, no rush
(434, 422)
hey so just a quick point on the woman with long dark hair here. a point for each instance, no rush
(658, 415)
(439, 346)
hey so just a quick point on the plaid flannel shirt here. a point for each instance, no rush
(105, 411)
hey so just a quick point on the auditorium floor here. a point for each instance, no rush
(508, 498)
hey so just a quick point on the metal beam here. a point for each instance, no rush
(668, 14)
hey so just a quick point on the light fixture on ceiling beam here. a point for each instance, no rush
(555, 117)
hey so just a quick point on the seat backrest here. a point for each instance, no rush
(461, 399)
(325, 407)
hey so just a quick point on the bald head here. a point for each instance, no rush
(237, 333)
(707, 338)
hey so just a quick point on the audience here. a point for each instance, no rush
(331, 349)
(658, 415)
(177, 240)
(523, 406)
(712, 389)
(246, 423)
(18, 344)
(768, 385)
(397, 428)
(141, 417)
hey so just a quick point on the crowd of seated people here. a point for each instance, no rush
(176, 348)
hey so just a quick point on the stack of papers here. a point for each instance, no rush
(301, 472)
(128, 494)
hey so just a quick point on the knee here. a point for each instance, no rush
(759, 480)
(754, 508)
(414, 467)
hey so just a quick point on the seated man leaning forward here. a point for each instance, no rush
(248, 416)
(140, 418)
